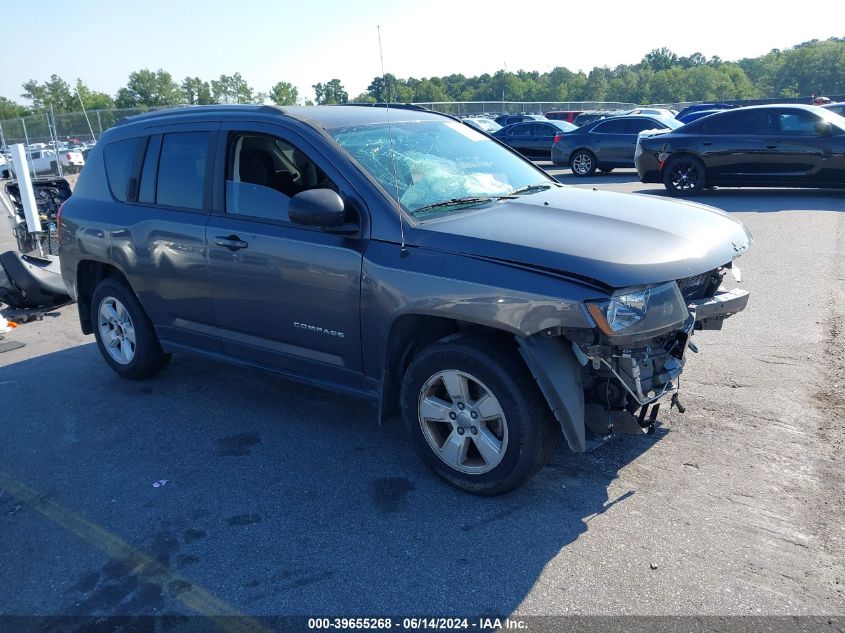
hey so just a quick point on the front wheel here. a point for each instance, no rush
(684, 176)
(583, 163)
(475, 415)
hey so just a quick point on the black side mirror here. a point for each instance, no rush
(316, 207)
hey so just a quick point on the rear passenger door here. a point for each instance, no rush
(164, 180)
(544, 136)
(802, 154)
(737, 147)
(519, 137)
(285, 296)
(610, 141)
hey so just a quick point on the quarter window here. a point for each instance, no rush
(119, 158)
(181, 170)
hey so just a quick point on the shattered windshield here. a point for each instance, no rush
(441, 166)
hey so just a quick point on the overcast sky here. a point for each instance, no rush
(310, 41)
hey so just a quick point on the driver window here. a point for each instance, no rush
(264, 172)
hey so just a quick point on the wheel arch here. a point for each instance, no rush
(549, 359)
(89, 273)
(409, 334)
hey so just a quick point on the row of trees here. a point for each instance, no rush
(144, 89)
(815, 67)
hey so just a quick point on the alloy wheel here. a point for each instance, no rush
(463, 422)
(582, 164)
(684, 176)
(116, 330)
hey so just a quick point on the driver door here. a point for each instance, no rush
(285, 296)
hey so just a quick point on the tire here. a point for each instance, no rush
(123, 319)
(583, 163)
(515, 429)
(684, 176)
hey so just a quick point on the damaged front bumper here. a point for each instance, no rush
(711, 312)
(611, 383)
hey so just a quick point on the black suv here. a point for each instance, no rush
(400, 256)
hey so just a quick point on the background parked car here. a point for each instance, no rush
(593, 115)
(757, 146)
(606, 143)
(44, 161)
(534, 138)
(563, 115)
(838, 108)
(508, 119)
(659, 112)
(482, 123)
(698, 114)
(682, 115)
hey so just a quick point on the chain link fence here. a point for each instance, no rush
(83, 127)
(462, 108)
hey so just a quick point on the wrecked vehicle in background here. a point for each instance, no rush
(30, 277)
(403, 257)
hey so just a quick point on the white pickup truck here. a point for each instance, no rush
(43, 161)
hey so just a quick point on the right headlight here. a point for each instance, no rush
(646, 310)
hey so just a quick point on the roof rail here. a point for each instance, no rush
(403, 106)
(188, 110)
(397, 106)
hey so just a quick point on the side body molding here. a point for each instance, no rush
(557, 372)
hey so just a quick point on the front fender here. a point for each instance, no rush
(558, 374)
(420, 282)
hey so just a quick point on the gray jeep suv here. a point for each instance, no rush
(400, 256)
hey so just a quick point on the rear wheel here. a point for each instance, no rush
(475, 415)
(583, 163)
(684, 176)
(124, 333)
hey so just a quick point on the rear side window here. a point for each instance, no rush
(181, 170)
(119, 158)
(635, 126)
(611, 127)
(748, 122)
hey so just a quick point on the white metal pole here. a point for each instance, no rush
(56, 144)
(30, 208)
(90, 129)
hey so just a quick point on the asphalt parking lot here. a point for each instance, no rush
(282, 499)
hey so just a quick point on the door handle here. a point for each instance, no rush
(707, 143)
(771, 146)
(232, 242)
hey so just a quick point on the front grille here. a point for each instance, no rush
(700, 286)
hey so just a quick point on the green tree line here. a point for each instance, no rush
(814, 67)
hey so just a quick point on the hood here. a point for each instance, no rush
(616, 239)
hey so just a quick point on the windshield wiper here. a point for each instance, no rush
(454, 202)
(530, 189)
